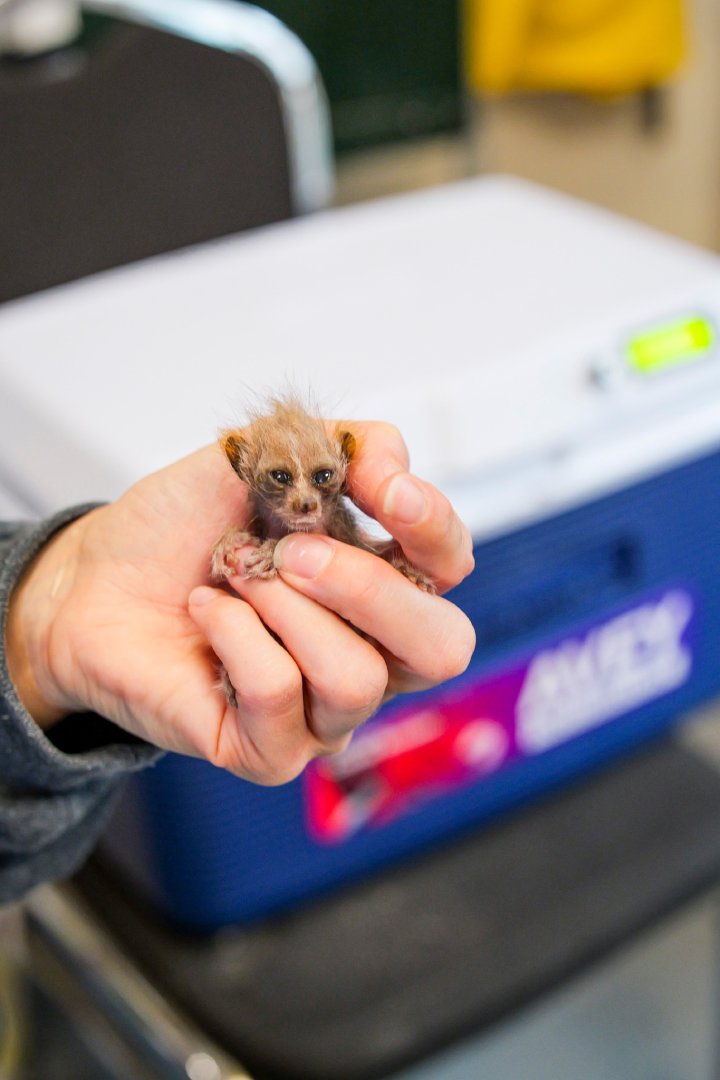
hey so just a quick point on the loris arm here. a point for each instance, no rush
(345, 528)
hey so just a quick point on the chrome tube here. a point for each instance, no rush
(260, 37)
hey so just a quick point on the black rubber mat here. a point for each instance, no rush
(405, 963)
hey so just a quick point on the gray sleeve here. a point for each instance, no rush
(57, 789)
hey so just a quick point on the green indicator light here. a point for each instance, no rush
(670, 345)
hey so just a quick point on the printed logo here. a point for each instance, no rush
(574, 683)
(613, 668)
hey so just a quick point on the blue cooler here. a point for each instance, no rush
(557, 371)
(596, 629)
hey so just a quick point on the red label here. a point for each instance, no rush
(397, 763)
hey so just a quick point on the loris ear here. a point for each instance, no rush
(235, 449)
(348, 445)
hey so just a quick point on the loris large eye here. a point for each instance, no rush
(280, 476)
(322, 476)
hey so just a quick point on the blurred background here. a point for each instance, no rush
(616, 102)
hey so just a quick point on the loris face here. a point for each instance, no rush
(295, 469)
(297, 486)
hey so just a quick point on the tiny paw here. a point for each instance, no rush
(417, 577)
(260, 563)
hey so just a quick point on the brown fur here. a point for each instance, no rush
(295, 467)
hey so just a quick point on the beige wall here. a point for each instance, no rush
(668, 177)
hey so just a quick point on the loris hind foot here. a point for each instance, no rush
(397, 558)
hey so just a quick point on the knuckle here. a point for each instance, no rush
(468, 563)
(276, 774)
(276, 697)
(463, 568)
(361, 697)
(462, 545)
(391, 434)
(330, 747)
(460, 568)
(276, 770)
(462, 653)
(382, 441)
(356, 693)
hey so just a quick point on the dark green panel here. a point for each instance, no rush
(391, 67)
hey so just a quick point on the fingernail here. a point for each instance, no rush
(404, 500)
(302, 554)
(202, 595)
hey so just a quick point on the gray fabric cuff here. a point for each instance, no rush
(27, 756)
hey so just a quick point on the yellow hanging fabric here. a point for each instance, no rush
(584, 46)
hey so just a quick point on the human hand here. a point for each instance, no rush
(101, 620)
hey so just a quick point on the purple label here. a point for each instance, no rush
(574, 683)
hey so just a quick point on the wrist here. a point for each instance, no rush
(32, 612)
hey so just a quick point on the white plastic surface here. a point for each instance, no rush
(470, 315)
(28, 27)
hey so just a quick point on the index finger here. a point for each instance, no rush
(419, 516)
(430, 637)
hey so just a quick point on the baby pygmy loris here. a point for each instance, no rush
(295, 466)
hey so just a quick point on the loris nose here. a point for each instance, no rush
(308, 506)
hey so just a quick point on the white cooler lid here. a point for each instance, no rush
(487, 319)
